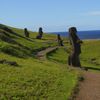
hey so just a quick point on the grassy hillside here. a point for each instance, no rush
(14, 40)
(90, 56)
(32, 79)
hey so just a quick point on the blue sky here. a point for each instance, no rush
(52, 15)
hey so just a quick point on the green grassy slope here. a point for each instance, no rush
(90, 56)
(16, 41)
(33, 79)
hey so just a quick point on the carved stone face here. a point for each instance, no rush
(40, 29)
(72, 30)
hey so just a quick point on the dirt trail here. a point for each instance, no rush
(42, 54)
(89, 89)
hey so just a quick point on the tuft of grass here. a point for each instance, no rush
(60, 55)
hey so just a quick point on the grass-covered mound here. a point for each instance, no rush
(32, 79)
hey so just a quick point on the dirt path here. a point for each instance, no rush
(89, 89)
(42, 54)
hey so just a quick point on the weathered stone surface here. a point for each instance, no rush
(60, 41)
(40, 33)
(75, 42)
(26, 33)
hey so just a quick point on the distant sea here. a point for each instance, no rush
(83, 34)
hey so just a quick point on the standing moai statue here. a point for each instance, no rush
(73, 59)
(60, 41)
(40, 33)
(26, 33)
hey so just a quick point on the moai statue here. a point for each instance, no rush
(73, 59)
(60, 41)
(40, 33)
(26, 33)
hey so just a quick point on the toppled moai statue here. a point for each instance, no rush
(40, 33)
(26, 33)
(60, 41)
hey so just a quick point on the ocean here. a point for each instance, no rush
(83, 34)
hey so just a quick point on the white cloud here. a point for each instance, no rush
(95, 13)
(92, 13)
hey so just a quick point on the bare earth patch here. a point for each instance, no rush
(89, 89)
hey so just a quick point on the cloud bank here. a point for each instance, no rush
(92, 13)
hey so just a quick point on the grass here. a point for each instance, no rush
(60, 55)
(90, 53)
(89, 57)
(17, 41)
(33, 79)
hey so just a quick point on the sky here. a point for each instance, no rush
(52, 15)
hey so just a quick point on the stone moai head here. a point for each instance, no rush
(58, 35)
(40, 29)
(25, 28)
(40, 33)
(26, 32)
(72, 30)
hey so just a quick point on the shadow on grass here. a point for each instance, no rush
(92, 68)
(10, 31)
